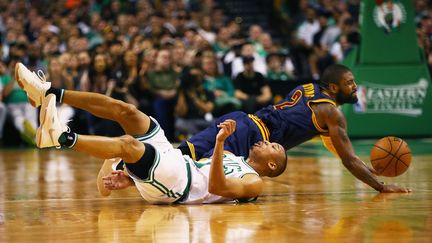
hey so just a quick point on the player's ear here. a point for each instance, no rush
(272, 165)
(334, 88)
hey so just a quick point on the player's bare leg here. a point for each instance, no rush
(52, 133)
(131, 119)
(125, 147)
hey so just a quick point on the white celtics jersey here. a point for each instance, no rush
(234, 167)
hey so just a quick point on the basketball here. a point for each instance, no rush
(390, 156)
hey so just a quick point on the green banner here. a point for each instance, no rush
(394, 84)
(393, 100)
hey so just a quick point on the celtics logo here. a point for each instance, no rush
(389, 15)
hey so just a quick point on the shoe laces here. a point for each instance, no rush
(41, 75)
(65, 126)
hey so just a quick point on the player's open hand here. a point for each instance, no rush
(116, 180)
(394, 188)
(226, 128)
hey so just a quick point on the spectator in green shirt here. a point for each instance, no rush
(163, 82)
(220, 85)
(275, 69)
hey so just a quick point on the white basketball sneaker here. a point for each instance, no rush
(50, 129)
(34, 85)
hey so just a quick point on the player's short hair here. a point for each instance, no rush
(333, 74)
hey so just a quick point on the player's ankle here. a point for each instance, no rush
(59, 93)
(68, 139)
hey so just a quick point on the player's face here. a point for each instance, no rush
(265, 151)
(347, 90)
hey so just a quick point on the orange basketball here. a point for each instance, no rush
(390, 156)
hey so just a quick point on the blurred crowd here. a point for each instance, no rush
(183, 62)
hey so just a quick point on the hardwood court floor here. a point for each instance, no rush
(51, 196)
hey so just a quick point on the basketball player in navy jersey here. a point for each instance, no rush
(309, 110)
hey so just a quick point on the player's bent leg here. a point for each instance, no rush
(125, 147)
(52, 133)
(133, 121)
(141, 168)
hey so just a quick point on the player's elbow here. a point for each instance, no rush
(220, 190)
(212, 190)
(215, 188)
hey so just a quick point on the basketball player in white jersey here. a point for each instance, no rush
(159, 171)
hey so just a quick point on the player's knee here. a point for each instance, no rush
(131, 113)
(127, 111)
(127, 141)
(131, 148)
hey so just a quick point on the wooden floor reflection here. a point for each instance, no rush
(51, 195)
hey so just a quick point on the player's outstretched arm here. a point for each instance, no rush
(246, 187)
(336, 124)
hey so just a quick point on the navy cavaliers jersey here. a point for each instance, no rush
(292, 121)
(249, 130)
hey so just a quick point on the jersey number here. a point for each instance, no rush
(294, 99)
